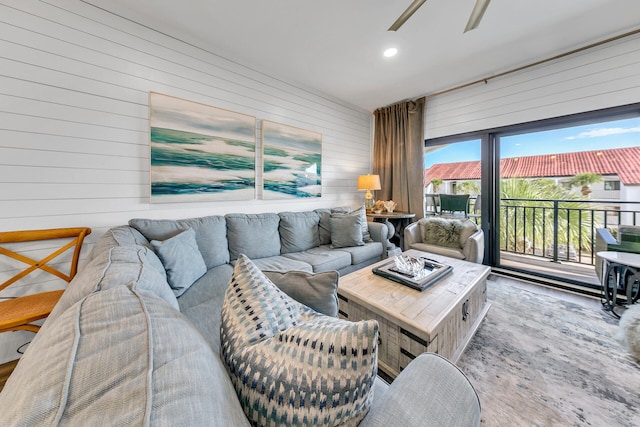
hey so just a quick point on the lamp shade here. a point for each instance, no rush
(369, 182)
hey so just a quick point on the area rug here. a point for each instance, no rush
(540, 361)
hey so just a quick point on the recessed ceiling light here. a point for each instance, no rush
(390, 52)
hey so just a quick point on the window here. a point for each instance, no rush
(611, 185)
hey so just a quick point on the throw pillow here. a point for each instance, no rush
(318, 291)
(441, 232)
(346, 231)
(182, 260)
(290, 365)
(324, 226)
(362, 213)
(298, 231)
(211, 234)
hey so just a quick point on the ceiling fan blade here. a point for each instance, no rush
(476, 14)
(406, 15)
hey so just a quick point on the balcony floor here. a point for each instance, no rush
(562, 270)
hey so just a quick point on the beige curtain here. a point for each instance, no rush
(398, 154)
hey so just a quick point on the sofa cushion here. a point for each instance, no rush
(289, 364)
(181, 259)
(298, 231)
(364, 253)
(211, 234)
(346, 231)
(361, 212)
(138, 267)
(322, 258)
(118, 236)
(318, 291)
(440, 250)
(255, 235)
(202, 303)
(147, 376)
(281, 263)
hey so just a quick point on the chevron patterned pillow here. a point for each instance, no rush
(291, 366)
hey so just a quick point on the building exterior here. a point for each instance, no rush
(620, 170)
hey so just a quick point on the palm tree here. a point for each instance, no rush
(468, 187)
(584, 180)
(528, 223)
(436, 182)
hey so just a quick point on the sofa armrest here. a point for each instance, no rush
(474, 248)
(378, 231)
(429, 392)
(412, 234)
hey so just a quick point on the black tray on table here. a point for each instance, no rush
(432, 272)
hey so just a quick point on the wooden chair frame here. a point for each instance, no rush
(18, 313)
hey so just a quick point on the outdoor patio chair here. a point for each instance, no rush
(452, 203)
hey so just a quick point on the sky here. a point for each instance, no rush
(614, 134)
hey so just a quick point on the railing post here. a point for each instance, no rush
(555, 231)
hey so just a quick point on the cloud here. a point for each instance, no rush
(596, 133)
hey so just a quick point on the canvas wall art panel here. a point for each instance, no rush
(291, 162)
(199, 152)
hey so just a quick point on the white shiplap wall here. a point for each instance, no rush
(601, 77)
(74, 150)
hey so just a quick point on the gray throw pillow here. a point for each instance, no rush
(181, 259)
(324, 226)
(318, 291)
(298, 231)
(346, 231)
(211, 234)
(360, 212)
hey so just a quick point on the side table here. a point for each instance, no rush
(395, 222)
(619, 275)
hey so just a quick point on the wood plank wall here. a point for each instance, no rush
(601, 77)
(74, 138)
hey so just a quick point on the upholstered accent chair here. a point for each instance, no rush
(627, 240)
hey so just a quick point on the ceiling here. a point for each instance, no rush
(335, 46)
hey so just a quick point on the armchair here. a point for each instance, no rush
(628, 241)
(467, 245)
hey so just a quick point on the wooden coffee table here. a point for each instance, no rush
(442, 319)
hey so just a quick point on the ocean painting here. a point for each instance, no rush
(200, 152)
(292, 161)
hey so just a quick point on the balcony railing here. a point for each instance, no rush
(560, 230)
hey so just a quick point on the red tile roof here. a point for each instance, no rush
(623, 162)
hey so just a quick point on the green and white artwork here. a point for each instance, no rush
(200, 152)
(292, 161)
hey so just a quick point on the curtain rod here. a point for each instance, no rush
(553, 58)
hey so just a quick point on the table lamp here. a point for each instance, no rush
(369, 182)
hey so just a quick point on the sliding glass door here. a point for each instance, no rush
(557, 187)
(540, 190)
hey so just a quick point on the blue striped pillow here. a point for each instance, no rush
(290, 365)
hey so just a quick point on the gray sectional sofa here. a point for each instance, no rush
(132, 342)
